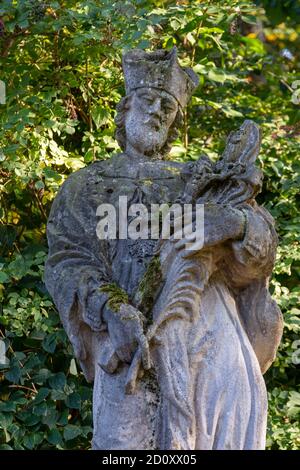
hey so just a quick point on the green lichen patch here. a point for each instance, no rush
(147, 182)
(116, 296)
(173, 169)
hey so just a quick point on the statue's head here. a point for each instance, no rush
(157, 90)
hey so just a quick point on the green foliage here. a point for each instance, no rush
(61, 63)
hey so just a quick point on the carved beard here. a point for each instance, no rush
(148, 135)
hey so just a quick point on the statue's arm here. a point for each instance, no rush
(249, 270)
(77, 266)
(254, 254)
(246, 232)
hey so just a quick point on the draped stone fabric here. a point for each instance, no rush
(206, 390)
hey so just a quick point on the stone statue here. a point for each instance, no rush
(176, 340)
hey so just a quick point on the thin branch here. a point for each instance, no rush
(40, 205)
(23, 387)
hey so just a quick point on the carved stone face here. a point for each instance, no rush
(148, 120)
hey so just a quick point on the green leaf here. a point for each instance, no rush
(74, 401)
(13, 375)
(57, 381)
(71, 431)
(144, 44)
(31, 441)
(50, 418)
(230, 112)
(51, 174)
(28, 418)
(54, 437)
(69, 130)
(293, 404)
(50, 342)
(40, 409)
(254, 45)
(250, 19)
(100, 115)
(63, 419)
(5, 419)
(58, 395)
(3, 277)
(42, 375)
(219, 76)
(7, 406)
(41, 395)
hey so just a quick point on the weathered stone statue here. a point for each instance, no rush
(175, 339)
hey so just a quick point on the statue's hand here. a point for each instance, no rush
(126, 333)
(221, 223)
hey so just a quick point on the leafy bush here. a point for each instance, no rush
(61, 64)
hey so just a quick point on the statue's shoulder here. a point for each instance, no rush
(80, 181)
(174, 169)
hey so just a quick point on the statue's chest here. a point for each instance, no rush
(152, 183)
(148, 191)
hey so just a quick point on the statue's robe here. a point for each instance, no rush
(232, 341)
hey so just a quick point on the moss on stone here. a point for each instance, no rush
(146, 292)
(116, 296)
(149, 285)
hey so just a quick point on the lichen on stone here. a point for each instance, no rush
(173, 169)
(147, 182)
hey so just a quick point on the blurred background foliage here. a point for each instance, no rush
(61, 64)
